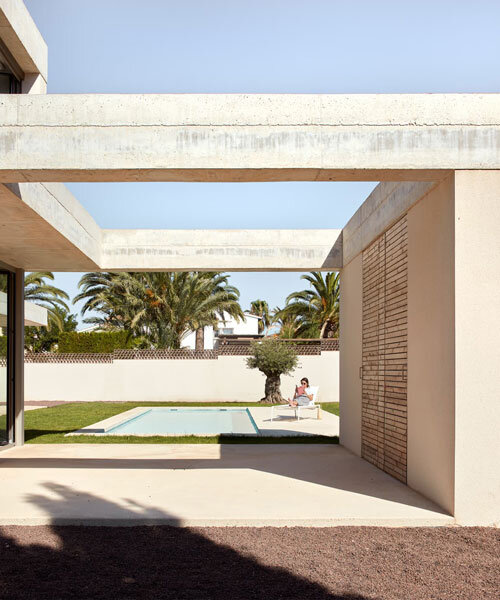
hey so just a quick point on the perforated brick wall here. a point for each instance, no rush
(309, 349)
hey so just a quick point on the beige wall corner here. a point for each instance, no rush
(477, 352)
(350, 355)
(431, 365)
(34, 84)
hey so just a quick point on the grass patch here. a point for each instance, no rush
(331, 407)
(49, 425)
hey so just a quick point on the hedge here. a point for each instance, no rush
(93, 342)
(3, 345)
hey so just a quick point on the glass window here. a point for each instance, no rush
(10, 78)
(4, 351)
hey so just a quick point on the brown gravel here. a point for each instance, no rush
(246, 563)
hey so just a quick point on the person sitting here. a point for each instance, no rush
(302, 395)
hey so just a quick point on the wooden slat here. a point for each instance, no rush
(385, 351)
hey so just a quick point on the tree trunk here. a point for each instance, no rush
(272, 390)
(200, 339)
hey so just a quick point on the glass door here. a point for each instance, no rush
(5, 330)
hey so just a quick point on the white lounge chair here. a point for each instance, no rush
(312, 404)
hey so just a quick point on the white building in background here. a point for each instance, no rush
(249, 326)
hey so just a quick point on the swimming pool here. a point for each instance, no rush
(187, 421)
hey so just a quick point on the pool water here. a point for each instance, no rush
(188, 421)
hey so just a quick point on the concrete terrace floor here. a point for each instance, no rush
(203, 485)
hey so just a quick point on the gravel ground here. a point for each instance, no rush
(352, 563)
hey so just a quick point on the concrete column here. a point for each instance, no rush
(19, 357)
(477, 350)
(351, 296)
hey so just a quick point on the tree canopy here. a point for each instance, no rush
(161, 307)
(314, 312)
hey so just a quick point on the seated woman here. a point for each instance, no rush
(301, 396)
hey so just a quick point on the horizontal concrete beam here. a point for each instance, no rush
(383, 207)
(246, 137)
(43, 227)
(227, 250)
(20, 35)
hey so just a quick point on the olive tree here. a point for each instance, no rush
(273, 358)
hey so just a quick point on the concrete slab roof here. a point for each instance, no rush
(20, 35)
(224, 137)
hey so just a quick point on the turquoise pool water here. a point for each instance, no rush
(188, 421)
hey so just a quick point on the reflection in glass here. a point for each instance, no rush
(3, 357)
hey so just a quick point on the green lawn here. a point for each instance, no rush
(49, 425)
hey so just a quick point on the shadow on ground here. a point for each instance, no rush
(343, 471)
(59, 562)
(231, 563)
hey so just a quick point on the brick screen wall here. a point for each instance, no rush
(385, 341)
(225, 350)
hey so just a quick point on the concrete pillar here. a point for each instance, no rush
(477, 349)
(351, 296)
(19, 357)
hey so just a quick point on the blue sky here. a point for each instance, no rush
(271, 46)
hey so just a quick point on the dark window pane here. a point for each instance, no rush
(3, 357)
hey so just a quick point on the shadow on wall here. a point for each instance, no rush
(144, 562)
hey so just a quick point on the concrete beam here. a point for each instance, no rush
(383, 207)
(20, 35)
(246, 137)
(226, 250)
(44, 227)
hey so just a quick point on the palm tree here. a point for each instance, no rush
(288, 324)
(37, 290)
(162, 307)
(260, 309)
(316, 310)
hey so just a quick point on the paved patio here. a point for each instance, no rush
(206, 484)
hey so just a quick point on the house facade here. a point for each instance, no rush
(249, 326)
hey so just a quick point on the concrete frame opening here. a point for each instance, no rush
(438, 158)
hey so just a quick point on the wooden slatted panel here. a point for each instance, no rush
(385, 341)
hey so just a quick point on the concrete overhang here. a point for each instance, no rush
(239, 137)
(383, 207)
(43, 227)
(22, 39)
(227, 250)
(33, 313)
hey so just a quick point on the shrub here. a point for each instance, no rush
(273, 358)
(94, 342)
(3, 345)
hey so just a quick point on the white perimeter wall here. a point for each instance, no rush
(226, 379)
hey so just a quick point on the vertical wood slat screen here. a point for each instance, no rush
(385, 351)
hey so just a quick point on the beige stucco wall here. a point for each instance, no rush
(431, 345)
(225, 379)
(477, 350)
(350, 355)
